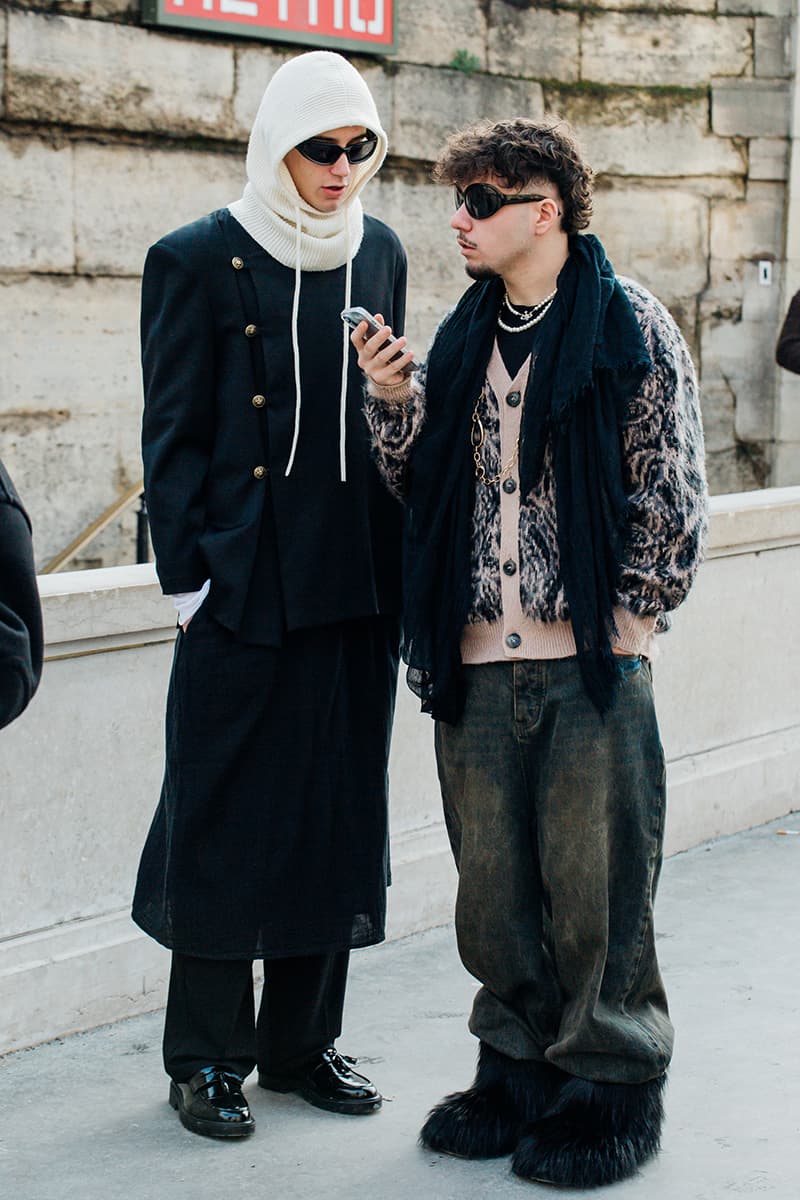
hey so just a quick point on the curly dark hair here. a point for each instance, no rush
(519, 152)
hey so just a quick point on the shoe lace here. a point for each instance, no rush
(342, 1062)
(218, 1077)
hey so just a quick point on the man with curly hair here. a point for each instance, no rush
(550, 456)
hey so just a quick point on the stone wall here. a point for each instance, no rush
(111, 134)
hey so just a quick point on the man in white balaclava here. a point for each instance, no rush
(281, 549)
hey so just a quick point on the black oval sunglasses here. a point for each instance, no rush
(318, 150)
(481, 200)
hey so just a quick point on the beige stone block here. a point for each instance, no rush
(534, 43)
(110, 76)
(750, 107)
(657, 235)
(749, 229)
(70, 399)
(744, 468)
(722, 299)
(130, 196)
(427, 306)
(739, 324)
(115, 546)
(643, 134)
(684, 51)
(76, 344)
(255, 66)
(772, 40)
(70, 476)
(786, 469)
(769, 8)
(769, 159)
(36, 211)
(380, 78)
(716, 187)
(434, 33)
(429, 104)
(419, 211)
(719, 410)
(738, 357)
(755, 404)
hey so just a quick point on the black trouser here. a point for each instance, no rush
(210, 1019)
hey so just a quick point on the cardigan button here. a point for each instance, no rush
(237, 263)
(509, 567)
(258, 401)
(259, 472)
(514, 641)
(250, 330)
(513, 398)
(509, 486)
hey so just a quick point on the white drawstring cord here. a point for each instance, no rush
(296, 341)
(296, 356)
(345, 364)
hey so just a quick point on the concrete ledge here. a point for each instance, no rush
(110, 608)
(729, 788)
(76, 976)
(748, 522)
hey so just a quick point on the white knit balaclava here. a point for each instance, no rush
(308, 95)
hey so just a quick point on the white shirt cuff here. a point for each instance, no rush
(187, 603)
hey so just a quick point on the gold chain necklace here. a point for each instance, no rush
(478, 440)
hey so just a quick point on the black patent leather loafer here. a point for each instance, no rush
(328, 1082)
(212, 1104)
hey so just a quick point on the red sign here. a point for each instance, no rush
(335, 24)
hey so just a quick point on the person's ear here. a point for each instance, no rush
(549, 214)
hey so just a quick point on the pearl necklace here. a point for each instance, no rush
(535, 314)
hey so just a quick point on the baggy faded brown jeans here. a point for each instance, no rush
(556, 820)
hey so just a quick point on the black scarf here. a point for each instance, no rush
(591, 365)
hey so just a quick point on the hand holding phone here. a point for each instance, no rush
(377, 360)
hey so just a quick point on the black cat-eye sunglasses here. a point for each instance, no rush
(319, 150)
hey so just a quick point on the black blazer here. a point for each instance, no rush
(21, 639)
(281, 553)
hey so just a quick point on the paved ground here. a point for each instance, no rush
(87, 1118)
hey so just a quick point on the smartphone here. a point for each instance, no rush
(354, 316)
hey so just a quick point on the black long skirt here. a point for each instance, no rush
(271, 835)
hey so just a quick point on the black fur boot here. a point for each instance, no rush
(594, 1134)
(487, 1120)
